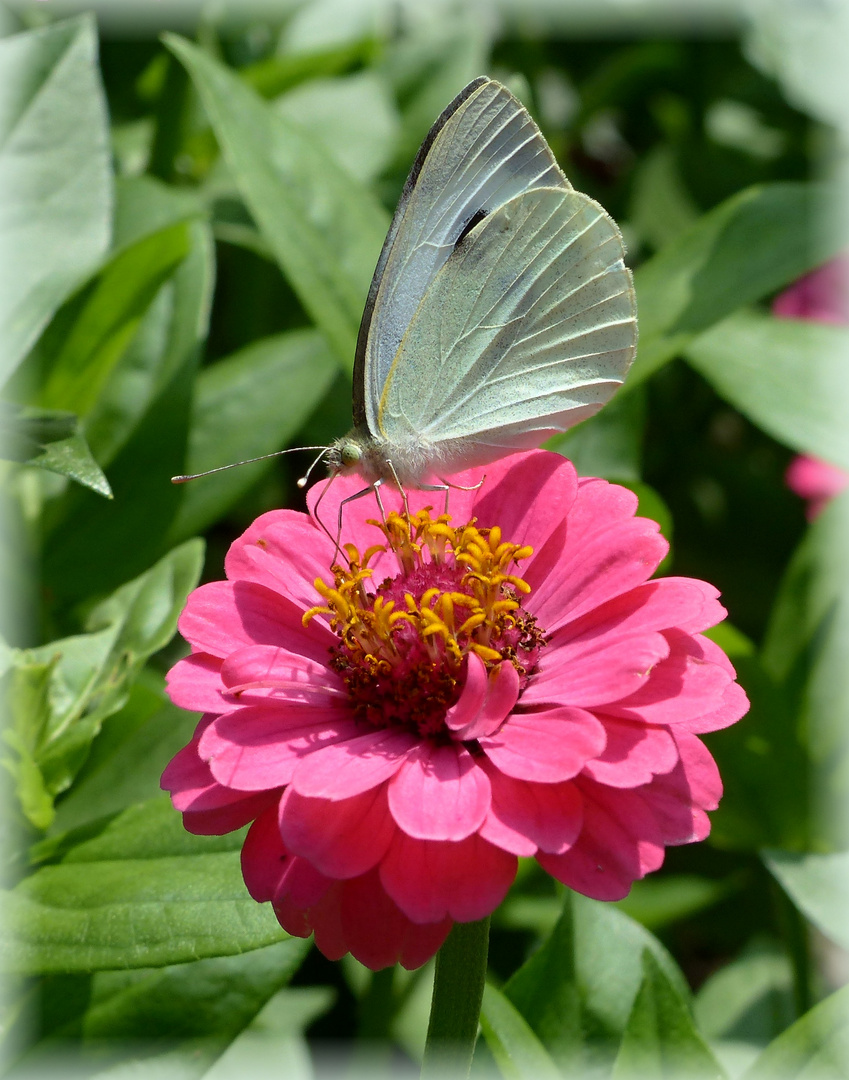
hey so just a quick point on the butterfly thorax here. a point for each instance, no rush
(374, 458)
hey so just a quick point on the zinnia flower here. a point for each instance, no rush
(507, 682)
(821, 296)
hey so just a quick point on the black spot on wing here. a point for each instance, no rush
(476, 218)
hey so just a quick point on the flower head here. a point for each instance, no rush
(503, 682)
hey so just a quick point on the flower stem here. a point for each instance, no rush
(456, 1003)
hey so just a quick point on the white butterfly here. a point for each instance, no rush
(501, 311)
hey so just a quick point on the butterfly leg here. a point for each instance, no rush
(358, 495)
(400, 487)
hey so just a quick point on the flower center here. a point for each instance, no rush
(402, 644)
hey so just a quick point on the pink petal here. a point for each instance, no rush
(525, 816)
(620, 841)
(194, 683)
(341, 839)
(547, 746)
(379, 934)
(681, 688)
(464, 712)
(222, 616)
(485, 702)
(613, 670)
(320, 915)
(285, 552)
(655, 605)
(439, 793)
(263, 857)
(208, 808)
(633, 755)
(259, 747)
(227, 818)
(613, 561)
(430, 880)
(733, 705)
(353, 766)
(268, 674)
(548, 484)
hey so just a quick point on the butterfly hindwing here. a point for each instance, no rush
(528, 327)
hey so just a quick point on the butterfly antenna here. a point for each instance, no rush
(302, 483)
(249, 461)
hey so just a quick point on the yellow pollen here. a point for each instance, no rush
(447, 571)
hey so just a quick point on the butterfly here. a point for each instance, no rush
(501, 311)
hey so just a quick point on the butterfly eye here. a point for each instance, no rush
(350, 454)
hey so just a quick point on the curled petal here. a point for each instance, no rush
(486, 700)
(267, 673)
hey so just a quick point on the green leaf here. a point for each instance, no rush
(128, 756)
(577, 990)
(247, 405)
(88, 675)
(818, 885)
(73, 458)
(765, 766)
(145, 205)
(609, 444)
(816, 1047)
(659, 901)
(143, 893)
(48, 439)
(354, 117)
(325, 229)
(661, 207)
(55, 177)
(105, 544)
(661, 1039)
(749, 999)
(742, 250)
(805, 650)
(110, 318)
(786, 375)
(516, 1049)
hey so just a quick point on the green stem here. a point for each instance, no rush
(456, 1003)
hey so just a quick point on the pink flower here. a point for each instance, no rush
(821, 296)
(401, 731)
(815, 480)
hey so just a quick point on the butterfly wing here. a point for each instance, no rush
(483, 151)
(528, 327)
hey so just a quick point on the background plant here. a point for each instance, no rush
(189, 231)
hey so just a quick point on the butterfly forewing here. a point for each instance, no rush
(482, 152)
(528, 327)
